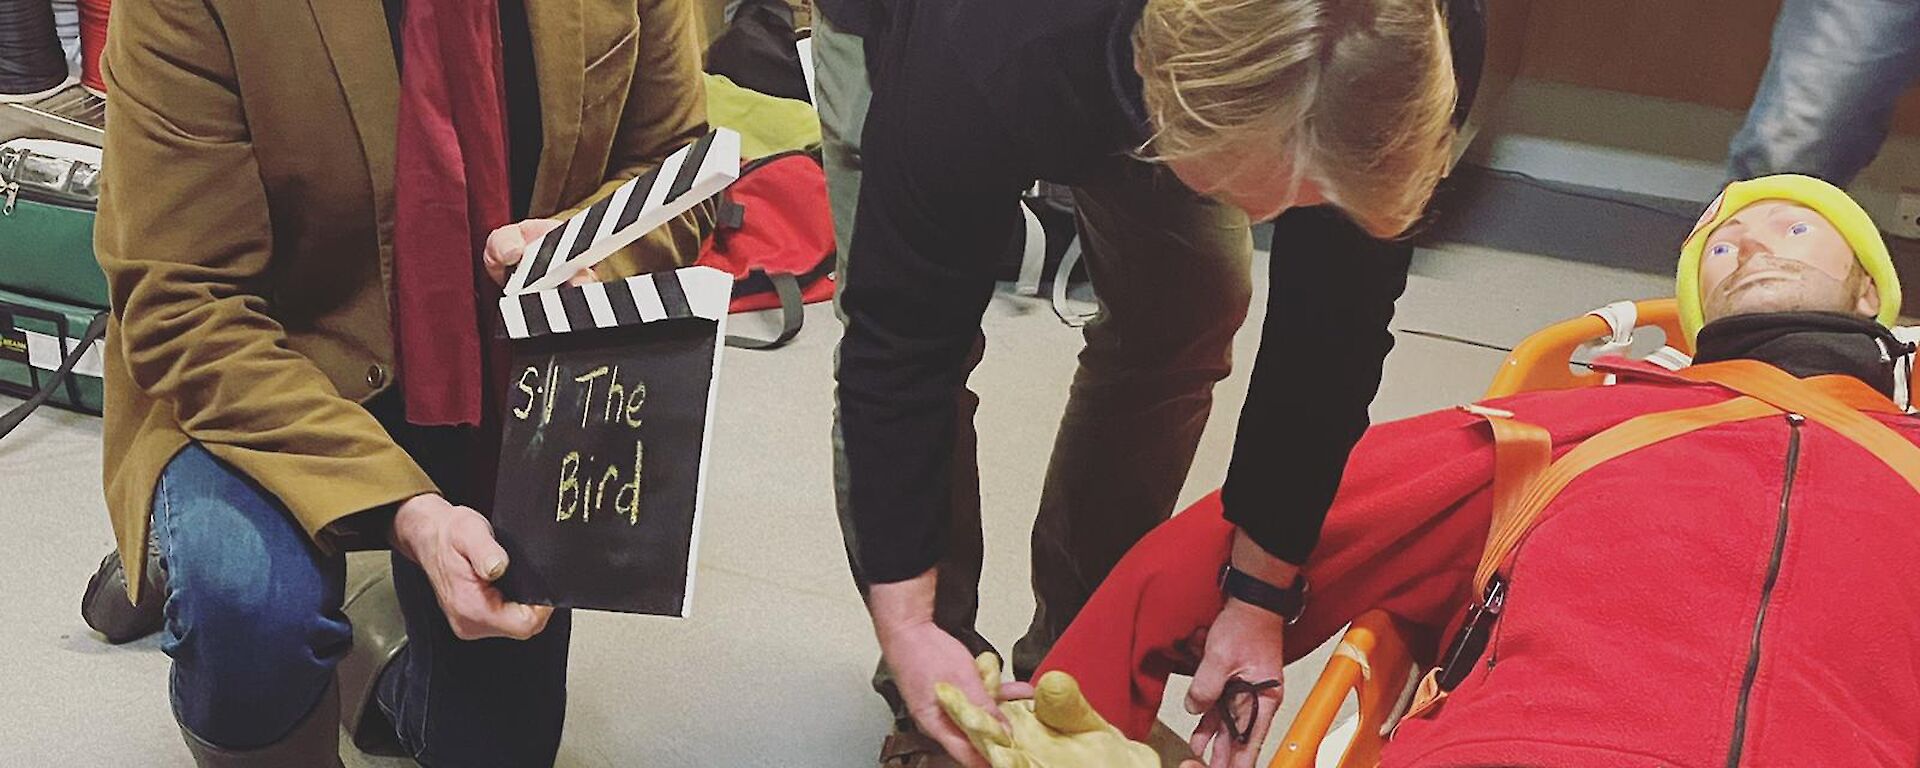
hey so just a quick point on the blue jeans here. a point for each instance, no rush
(1826, 101)
(255, 629)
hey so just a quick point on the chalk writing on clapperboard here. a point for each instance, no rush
(587, 482)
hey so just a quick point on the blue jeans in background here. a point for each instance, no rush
(1826, 101)
(255, 630)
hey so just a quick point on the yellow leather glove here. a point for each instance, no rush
(1056, 728)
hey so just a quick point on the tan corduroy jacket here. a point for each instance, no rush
(246, 226)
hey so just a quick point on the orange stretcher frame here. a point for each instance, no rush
(1374, 661)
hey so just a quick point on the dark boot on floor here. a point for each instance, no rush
(908, 748)
(1172, 748)
(379, 634)
(314, 743)
(106, 609)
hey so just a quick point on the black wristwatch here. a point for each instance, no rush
(1288, 602)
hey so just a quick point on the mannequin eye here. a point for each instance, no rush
(1721, 249)
(1799, 228)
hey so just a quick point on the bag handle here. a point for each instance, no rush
(95, 330)
(792, 313)
(1061, 276)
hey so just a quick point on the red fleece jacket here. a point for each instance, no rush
(1639, 627)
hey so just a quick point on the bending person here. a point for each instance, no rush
(936, 115)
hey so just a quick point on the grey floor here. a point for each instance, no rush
(771, 669)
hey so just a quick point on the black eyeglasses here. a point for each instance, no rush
(1240, 696)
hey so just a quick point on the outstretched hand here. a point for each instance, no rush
(1056, 728)
(1244, 643)
(931, 667)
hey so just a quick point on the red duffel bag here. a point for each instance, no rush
(775, 236)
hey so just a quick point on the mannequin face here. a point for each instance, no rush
(1779, 256)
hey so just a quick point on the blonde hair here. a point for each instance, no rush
(1357, 94)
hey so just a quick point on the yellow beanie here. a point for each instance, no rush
(1829, 201)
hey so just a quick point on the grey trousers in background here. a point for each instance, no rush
(1172, 271)
(1826, 102)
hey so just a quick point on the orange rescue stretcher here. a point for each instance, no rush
(1372, 662)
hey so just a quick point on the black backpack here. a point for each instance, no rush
(756, 51)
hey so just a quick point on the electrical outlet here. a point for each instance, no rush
(1906, 215)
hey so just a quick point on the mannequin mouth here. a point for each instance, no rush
(1760, 272)
(1757, 278)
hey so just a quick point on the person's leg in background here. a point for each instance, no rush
(1172, 272)
(253, 620)
(841, 95)
(1826, 101)
(469, 703)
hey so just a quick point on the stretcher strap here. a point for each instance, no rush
(1524, 484)
(1834, 402)
(1522, 452)
(1540, 490)
(1428, 695)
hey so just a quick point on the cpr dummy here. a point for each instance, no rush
(1056, 728)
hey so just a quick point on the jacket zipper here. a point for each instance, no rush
(1794, 421)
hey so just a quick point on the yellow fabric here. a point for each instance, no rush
(246, 222)
(1056, 728)
(768, 125)
(1829, 201)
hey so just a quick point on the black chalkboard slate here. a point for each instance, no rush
(609, 402)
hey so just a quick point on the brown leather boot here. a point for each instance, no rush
(379, 634)
(1174, 750)
(106, 609)
(907, 748)
(314, 743)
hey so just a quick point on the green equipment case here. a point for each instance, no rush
(46, 249)
(48, 192)
(36, 335)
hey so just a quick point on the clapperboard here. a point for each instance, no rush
(609, 403)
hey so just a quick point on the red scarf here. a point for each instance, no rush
(451, 190)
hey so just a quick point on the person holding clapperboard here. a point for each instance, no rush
(297, 197)
(1175, 122)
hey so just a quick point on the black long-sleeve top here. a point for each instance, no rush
(972, 100)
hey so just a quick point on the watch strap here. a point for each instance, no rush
(1288, 602)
